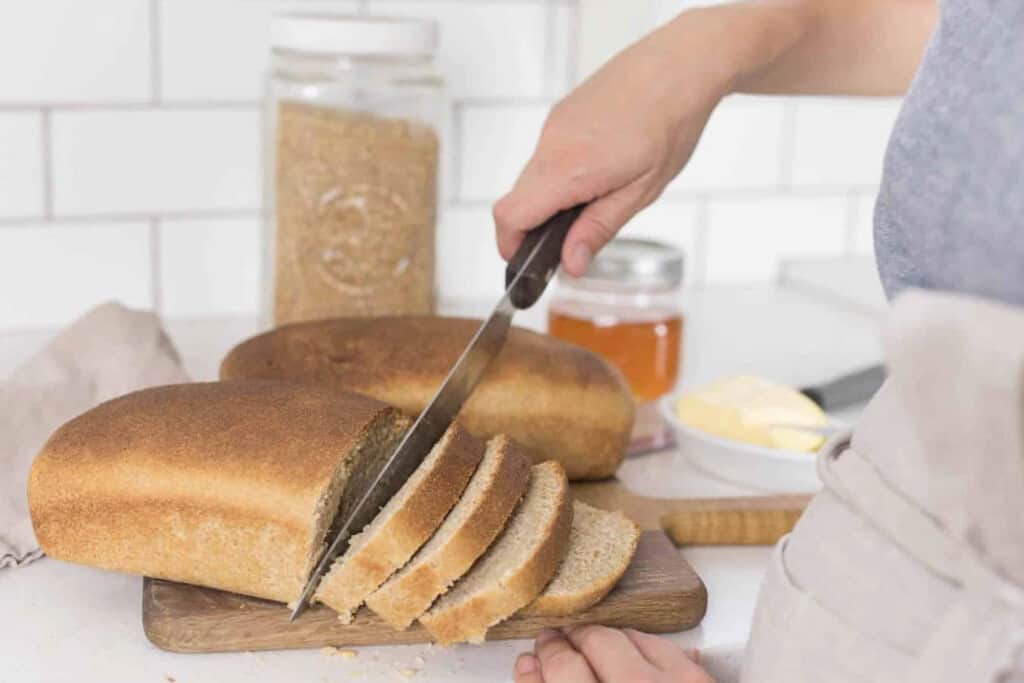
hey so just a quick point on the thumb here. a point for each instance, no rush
(596, 226)
(528, 669)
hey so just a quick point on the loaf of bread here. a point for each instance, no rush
(230, 485)
(515, 569)
(559, 401)
(470, 528)
(403, 524)
(236, 486)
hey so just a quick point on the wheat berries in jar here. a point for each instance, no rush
(354, 113)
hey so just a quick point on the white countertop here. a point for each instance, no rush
(60, 622)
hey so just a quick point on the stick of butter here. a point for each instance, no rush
(745, 408)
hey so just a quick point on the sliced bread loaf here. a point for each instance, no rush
(231, 485)
(515, 569)
(403, 524)
(472, 525)
(601, 546)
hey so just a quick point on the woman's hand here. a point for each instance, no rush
(616, 141)
(589, 654)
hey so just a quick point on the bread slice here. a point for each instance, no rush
(467, 531)
(558, 401)
(232, 485)
(601, 546)
(515, 569)
(403, 524)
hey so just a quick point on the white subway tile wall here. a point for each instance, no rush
(862, 238)
(21, 164)
(488, 49)
(841, 146)
(209, 264)
(748, 238)
(65, 51)
(468, 263)
(217, 50)
(131, 151)
(677, 222)
(496, 142)
(741, 148)
(155, 161)
(50, 274)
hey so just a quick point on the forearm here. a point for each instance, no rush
(618, 139)
(850, 47)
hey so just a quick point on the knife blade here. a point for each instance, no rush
(526, 277)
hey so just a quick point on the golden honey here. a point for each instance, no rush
(647, 350)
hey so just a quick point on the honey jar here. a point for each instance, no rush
(628, 308)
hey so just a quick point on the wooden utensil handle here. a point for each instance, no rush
(725, 526)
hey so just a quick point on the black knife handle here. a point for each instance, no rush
(540, 252)
(850, 389)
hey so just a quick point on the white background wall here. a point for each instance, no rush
(130, 150)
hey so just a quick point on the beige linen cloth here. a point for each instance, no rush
(108, 352)
(909, 566)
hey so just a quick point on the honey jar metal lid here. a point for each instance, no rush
(631, 264)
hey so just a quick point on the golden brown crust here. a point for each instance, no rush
(596, 589)
(469, 619)
(557, 400)
(408, 595)
(198, 482)
(353, 577)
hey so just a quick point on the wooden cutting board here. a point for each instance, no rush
(659, 593)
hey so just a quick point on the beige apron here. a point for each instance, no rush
(909, 566)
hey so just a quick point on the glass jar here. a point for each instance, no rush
(354, 110)
(628, 309)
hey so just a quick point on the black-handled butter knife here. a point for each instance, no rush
(847, 390)
(526, 277)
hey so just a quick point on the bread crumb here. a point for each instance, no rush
(348, 654)
(408, 673)
(338, 652)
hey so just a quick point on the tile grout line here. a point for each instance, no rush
(47, 152)
(700, 242)
(787, 147)
(550, 19)
(652, 15)
(240, 105)
(156, 265)
(155, 52)
(65, 219)
(852, 220)
(572, 44)
(187, 105)
(454, 193)
(454, 199)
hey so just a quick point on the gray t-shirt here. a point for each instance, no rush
(950, 213)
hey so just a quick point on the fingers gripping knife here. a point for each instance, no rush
(526, 277)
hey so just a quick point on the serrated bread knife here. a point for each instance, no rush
(526, 277)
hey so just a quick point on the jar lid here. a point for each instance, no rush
(341, 34)
(629, 262)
